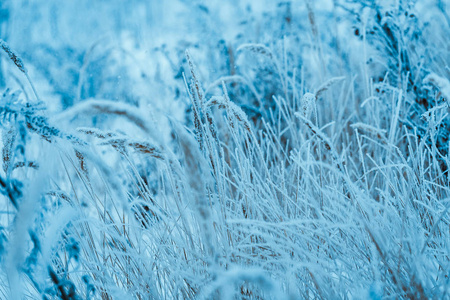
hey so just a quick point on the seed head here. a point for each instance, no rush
(17, 61)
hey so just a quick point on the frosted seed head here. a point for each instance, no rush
(307, 103)
(17, 61)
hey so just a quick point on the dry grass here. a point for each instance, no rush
(329, 193)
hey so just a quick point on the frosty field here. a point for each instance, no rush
(254, 149)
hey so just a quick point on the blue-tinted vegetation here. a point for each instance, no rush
(224, 149)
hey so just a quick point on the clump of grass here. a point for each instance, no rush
(350, 202)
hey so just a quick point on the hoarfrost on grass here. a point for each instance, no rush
(230, 150)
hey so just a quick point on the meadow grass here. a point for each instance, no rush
(330, 182)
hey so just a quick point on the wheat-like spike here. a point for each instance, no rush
(196, 110)
(307, 104)
(216, 100)
(321, 89)
(60, 194)
(19, 64)
(197, 98)
(257, 48)
(146, 148)
(32, 116)
(29, 164)
(8, 141)
(143, 147)
(96, 132)
(196, 83)
(379, 133)
(15, 59)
